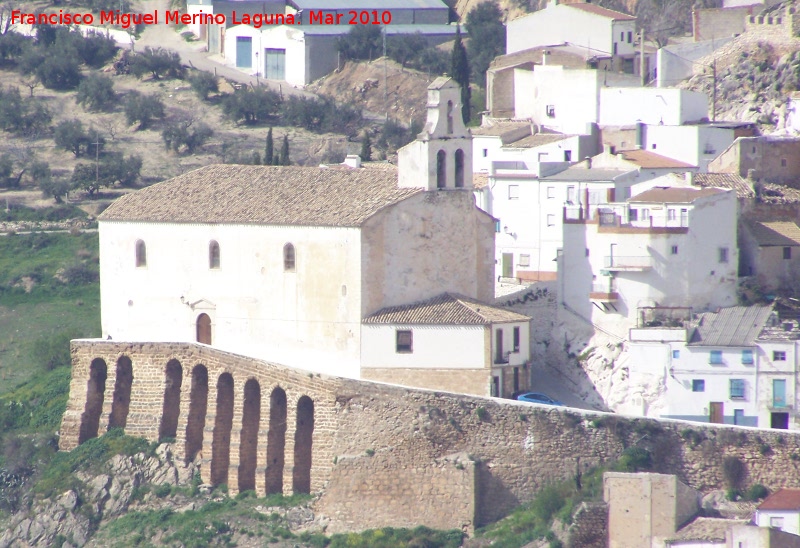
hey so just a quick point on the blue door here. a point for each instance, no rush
(244, 52)
(274, 64)
(779, 393)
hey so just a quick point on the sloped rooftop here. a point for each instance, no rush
(704, 530)
(448, 309)
(306, 196)
(775, 233)
(646, 159)
(731, 181)
(603, 12)
(782, 499)
(733, 326)
(674, 195)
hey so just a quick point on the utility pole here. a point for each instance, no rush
(97, 163)
(714, 91)
(385, 78)
(642, 74)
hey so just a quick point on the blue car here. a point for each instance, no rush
(535, 397)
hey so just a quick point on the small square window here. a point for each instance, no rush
(653, 146)
(747, 357)
(513, 192)
(497, 226)
(698, 385)
(776, 522)
(715, 357)
(645, 214)
(783, 162)
(551, 192)
(524, 260)
(674, 250)
(485, 152)
(778, 356)
(787, 253)
(405, 341)
(633, 215)
(551, 111)
(723, 254)
(551, 220)
(737, 389)
(676, 354)
(517, 335)
(671, 214)
(567, 155)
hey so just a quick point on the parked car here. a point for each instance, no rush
(536, 397)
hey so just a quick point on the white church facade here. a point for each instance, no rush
(285, 263)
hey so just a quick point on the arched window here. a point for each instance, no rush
(213, 254)
(288, 258)
(141, 254)
(441, 169)
(449, 117)
(459, 168)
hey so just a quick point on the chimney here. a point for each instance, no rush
(352, 160)
(610, 150)
(689, 176)
(587, 162)
(751, 174)
(639, 135)
(545, 55)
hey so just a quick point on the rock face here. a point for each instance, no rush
(74, 515)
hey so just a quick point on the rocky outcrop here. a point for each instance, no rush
(73, 516)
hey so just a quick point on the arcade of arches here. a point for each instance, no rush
(241, 428)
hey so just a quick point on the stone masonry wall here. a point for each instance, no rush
(375, 446)
(589, 527)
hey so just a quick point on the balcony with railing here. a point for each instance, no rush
(630, 263)
(603, 292)
(612, 217)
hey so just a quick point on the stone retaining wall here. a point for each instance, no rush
(464, 461)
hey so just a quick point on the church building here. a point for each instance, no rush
(285, 264)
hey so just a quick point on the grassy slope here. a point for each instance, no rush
(35, 326)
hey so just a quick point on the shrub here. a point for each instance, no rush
(547, 502)
(482, 413)
(204, 83)
(96, 49)
(362, 42)
(20, 115)
(96, 92)
(734, 472)
(157, 62)
(143, 109)
(69, 135)
(182, 134)
(321, 114)
(756, 492)
(59, 72)
(635, 459)
(251, 106)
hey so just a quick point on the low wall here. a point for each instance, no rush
(375, 447)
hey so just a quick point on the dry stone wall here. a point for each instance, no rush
(387, 455)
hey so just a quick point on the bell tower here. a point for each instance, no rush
(440, 158)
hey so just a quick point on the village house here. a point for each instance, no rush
(769, 158)
(770, 251)
(288, 263)
(214, 34)
(304, 50)
(781, 511)
(664, 247)
(584, 25)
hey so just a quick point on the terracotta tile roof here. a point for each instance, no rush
(447, 308)
(704, 529)
(776, 233)
(782, 499)
(778, 194)
(603, 12)
(267, 195)
(674, 195)
(647, 159)
(732, 181)
(533, 141)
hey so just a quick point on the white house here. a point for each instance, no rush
(448, 334)
(569, 99)
(300, 54)
(780, 510)
(284, 263)
(672, 247)
(584, 25)
(696, 144)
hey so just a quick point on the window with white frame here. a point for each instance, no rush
(513, 192)
(671, 214)
(698, 385)
(715, 357)
(778, 356)
(551, 220)
(723, 254)
(405, 341)
(524, 260)
(645, 214)
(747, 357)
(551, 192)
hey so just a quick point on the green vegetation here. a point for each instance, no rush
(559, 500)
(39, 312)
(389, 537)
